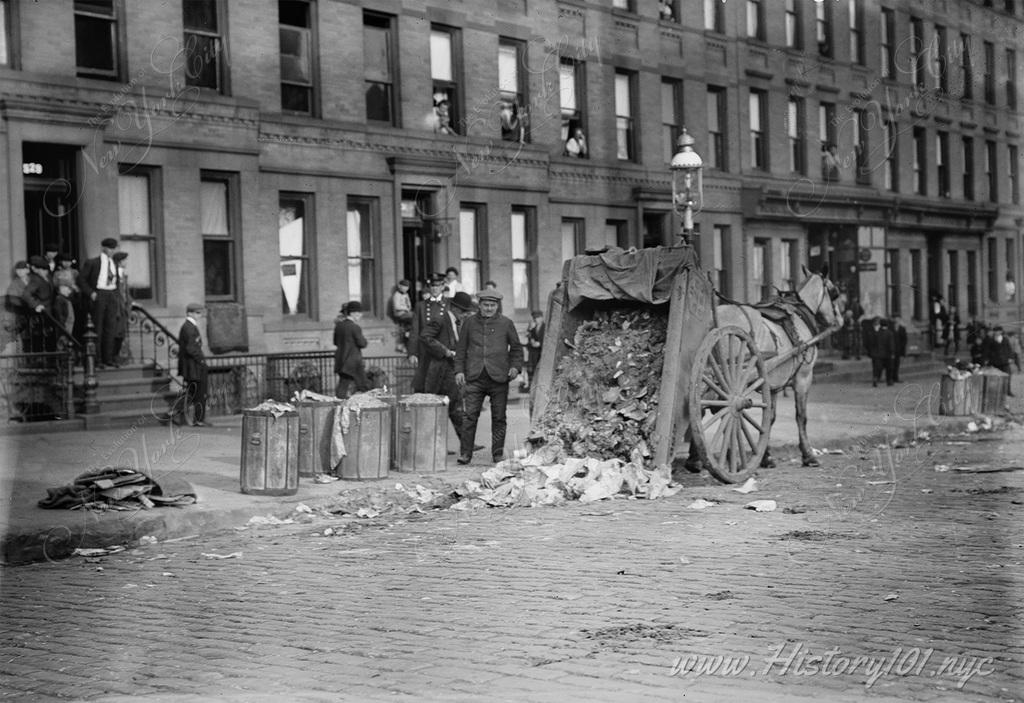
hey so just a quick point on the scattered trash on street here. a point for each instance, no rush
(700, 504)
(761, 506)
(268, 520)
(98, 551)
(211, 555)
(749, 486)
(892, 596)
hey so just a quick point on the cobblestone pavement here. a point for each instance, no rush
(875, 555)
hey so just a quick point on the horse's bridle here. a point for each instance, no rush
(833, 293)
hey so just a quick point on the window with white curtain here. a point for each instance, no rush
(5, 33)
(294, 240)
(137, 203)
(624, 125)
(573, 237)
(297, 38)
(512, 90)
(523, 256)
(362, 229)
(445, 77)
(216, 225)
(470, 262)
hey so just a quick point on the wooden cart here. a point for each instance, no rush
(713, 373)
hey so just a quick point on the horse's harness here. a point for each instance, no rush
(783, 309)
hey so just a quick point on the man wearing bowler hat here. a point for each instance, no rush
(488, 357)
(440, 339)
(99, 282)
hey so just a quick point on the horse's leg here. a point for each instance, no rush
(801, 388)
(766, 461)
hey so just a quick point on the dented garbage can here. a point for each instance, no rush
(995, 386)
(316, 424)
(270, 453)
(366, 431)
(421, 432)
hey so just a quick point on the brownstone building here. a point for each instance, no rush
(283, 156)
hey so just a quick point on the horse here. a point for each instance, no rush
(802, 314)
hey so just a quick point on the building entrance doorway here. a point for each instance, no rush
(419, 239)
(51, 197)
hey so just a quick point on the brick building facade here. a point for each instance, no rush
(283, 157)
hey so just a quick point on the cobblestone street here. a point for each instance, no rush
(875, 555)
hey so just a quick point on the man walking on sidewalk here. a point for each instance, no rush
(899, 347)
(441, 337)
(487, 358)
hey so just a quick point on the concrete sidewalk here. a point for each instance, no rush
(209, 458)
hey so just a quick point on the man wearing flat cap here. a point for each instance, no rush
(488, 357)
(99, 283)
(440, 339)
(426, 310)
(192, 363)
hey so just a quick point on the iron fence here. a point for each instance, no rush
(239, 381)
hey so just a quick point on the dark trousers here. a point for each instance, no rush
(474, 393)
(195, 395)
(894, 372)
(348, 384)
(419, 375)
(880, 365)
(441, 381)
(105, 317)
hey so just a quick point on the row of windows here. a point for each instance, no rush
(866, 159)
(140, 195)
(97, 55)
(960, 266)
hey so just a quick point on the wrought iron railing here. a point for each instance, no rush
(37, 359)
(149, 342)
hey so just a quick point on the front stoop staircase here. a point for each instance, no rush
(133, 395)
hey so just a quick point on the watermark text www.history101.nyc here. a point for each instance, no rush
(796, 659)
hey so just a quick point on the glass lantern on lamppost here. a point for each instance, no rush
(687, 185)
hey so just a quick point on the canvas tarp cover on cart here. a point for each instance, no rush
(651, 276)
(640, 275)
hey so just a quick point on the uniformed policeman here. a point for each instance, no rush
(432, 308)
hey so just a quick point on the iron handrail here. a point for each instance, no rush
(156, 323)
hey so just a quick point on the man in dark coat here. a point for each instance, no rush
(488, 357)
(899, 347)
(99, 284)
(440, 339)
(38, 298)
(880, 351)
(998, 353)
(192, 363)
(432, 308)
(348, 356)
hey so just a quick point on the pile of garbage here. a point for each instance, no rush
(534, 480)
(119, 488)
(960, 370)
(603, 401)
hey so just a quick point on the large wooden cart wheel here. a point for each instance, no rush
(730, 404)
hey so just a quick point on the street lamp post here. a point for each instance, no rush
(687, 186)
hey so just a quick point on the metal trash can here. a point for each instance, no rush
(960, 396)
(367, 440)
(421, 433)
(270, 453)
(316, 426)
(995, 385)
